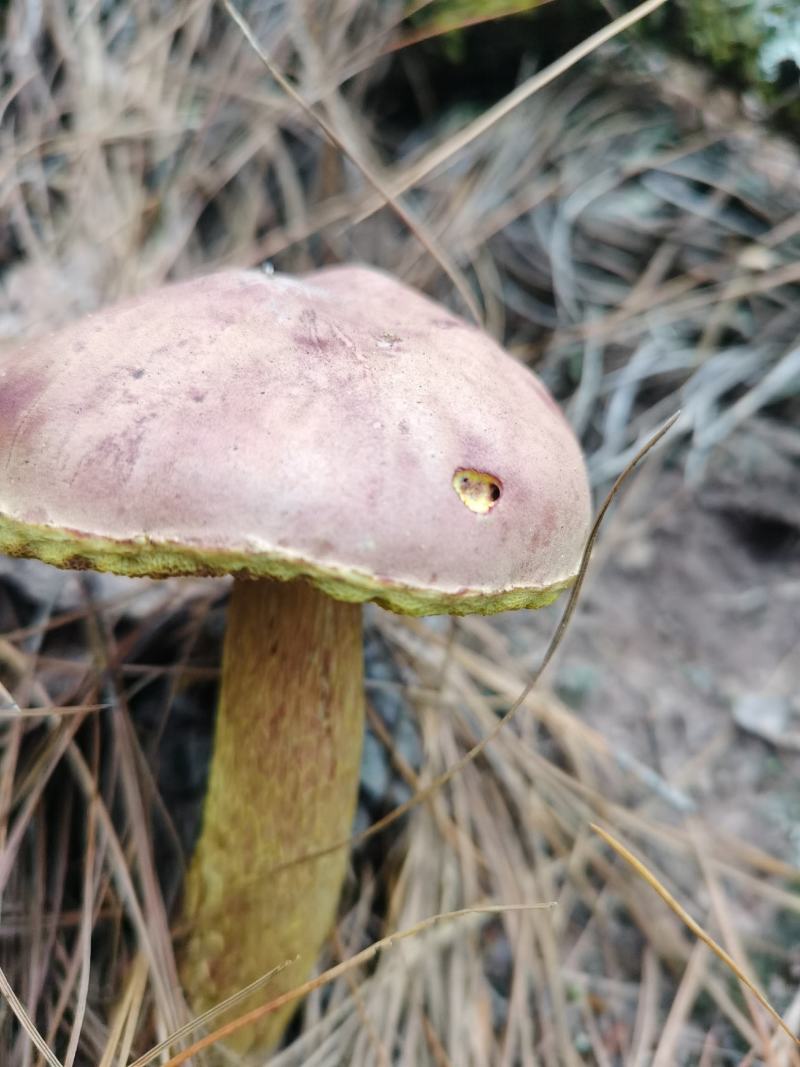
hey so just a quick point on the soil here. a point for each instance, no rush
(684, 651)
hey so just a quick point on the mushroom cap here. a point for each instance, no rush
(339, 427)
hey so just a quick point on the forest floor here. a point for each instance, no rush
(630, 231)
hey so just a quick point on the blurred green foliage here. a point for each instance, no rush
(756, 40)
(452, 12)
(754, 45)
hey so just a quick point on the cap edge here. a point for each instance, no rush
(147, 558)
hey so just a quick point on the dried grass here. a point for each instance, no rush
(633, 237)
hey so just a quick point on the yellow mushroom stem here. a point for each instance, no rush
(283, 783)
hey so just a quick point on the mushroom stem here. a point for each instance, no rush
(283, 783)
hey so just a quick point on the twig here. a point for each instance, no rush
(336, 972)
(25, 1021)
(484, 122)
(694, 926)
(369, 175)
(212, 1013)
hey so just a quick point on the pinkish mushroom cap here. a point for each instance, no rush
(341, 428)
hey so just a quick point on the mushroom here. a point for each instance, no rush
(326, 440)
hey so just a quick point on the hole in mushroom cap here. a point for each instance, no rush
(477, 490)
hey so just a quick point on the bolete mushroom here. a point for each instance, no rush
(326, 440)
